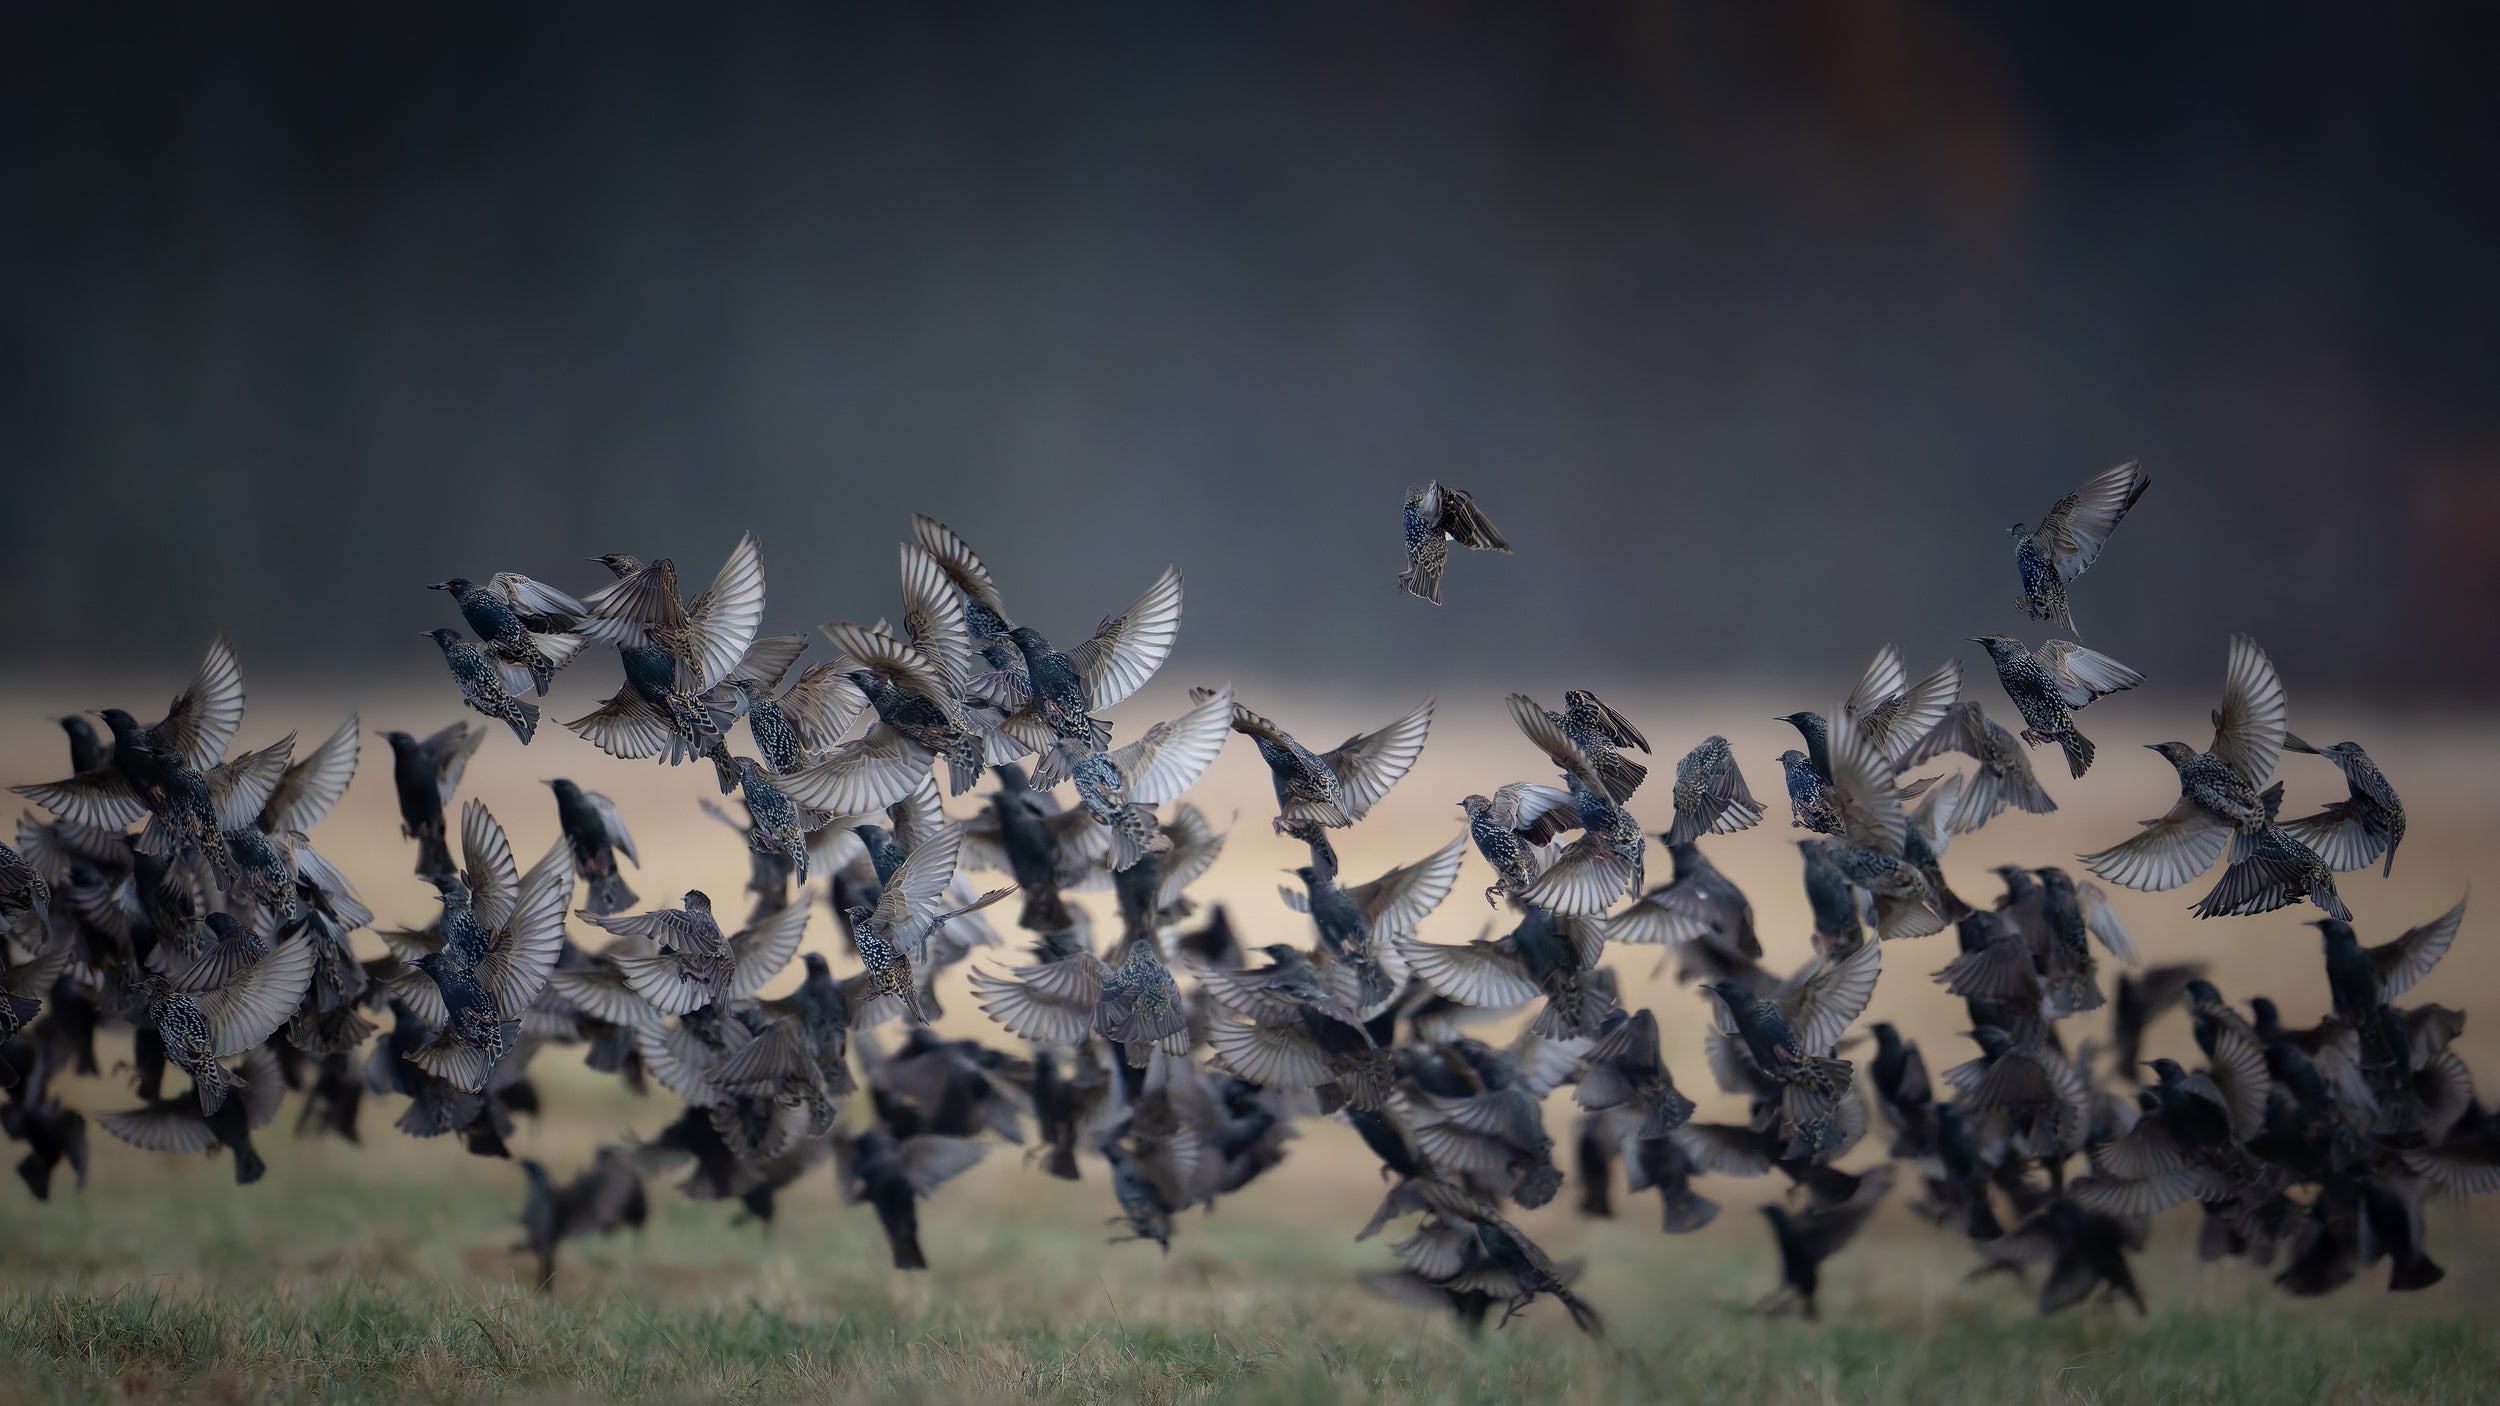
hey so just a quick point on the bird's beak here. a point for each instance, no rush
(1979, 639)
(2152, 746)
(439, 586)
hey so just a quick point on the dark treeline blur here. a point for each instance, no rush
(1753, 327)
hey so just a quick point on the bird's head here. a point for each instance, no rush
(748, 769)
(1811, 724)
(1029, 639)
(1735, 993)
(119, 723)
(1887, 1038)
(565, 790)
(868, 681)
(2334, 932)
(457, 585)
(2018, 529)
(400, 741)
(1307, 874)
(2203, 992)
(873, 836)
(1998, 646)
(534, 1170)
(2175, 753)
(1282, 954)
(1792, 759)
(2166, 1070)
(817, 966)
(450, 888)
(697, 901)
(2268, 1018)
(444, 637)
(1992, 1040)
(1475, 806)
(621, 564)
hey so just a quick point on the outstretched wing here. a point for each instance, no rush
(1126, 649)
(721, 622)
(249, 1008)
(1369, 763)
(2079, 526)
(1171, 757)
(313, 785)
(204, 717)
(2248, 731)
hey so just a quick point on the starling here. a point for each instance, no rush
(1789, 1039)
(2002, 778)
(201, 1027)
(595, 830)
(1807, 1238)
(188, 1125)
(1710, 794)
(2220, 804)
(803, 722)
(2070, 538)
(905, 912)
(2140, 1001)
(2363, 980)
(1509, 828)
(1837, 925)
(1626, 1072)
(1891, 711)
(707, 639)
(1139, 1008)
(1873, 851)
(23, 892)
(606, 1195)
(1359, 926)
(425, 774)
(1061, 692)
(1122, 787)
(1436, 517)
(1545, 956)
(2352, 832)
(482, 688)
(777, 824)
(87, 752)
(1699, 904)
(160, 770)
(2050, 685)
(2084, 1252)
(1040, 847)
(985, 612)
(524, 627)
(2021, 1087)
(689, 963)
(913, 686)
(53, 1132)
(484, 988)
(2185, 1146)
(1606, 862)
(1809, 790)
(893, 1175)
(1598, 730)
(1898, 1074)
(1338, 787)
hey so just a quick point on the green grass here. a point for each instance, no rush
(382, 1273)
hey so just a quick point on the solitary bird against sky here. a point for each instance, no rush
(2070, 538)
(1436, 517)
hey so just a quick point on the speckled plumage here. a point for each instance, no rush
(481, 687)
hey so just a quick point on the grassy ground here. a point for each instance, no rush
(381, 1272)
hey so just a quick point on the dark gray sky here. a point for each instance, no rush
(1753, 329)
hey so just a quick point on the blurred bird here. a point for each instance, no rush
(1807, 1238)
(2070, 538)
(1436, 517)
(2002, 778)
(160, 771)
(605, 1196)
(595, 830)
(893, 1175)
(425, 775)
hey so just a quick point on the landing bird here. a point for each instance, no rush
(481, 686)
(1436, 517)
(2050, 685)
(524, 627)
(2070, 539)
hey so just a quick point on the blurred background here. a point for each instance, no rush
(1753, 330)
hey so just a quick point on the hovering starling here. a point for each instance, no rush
(985, 612)
(1545, 956)
(1121, 788)
(2352, 832)
(1837, 925)
(698, 953)
(1040, 847)
(906, 911)
(1699, 904)
(1874, 849)
(913, 686)
(606, 1195)
(892, 1175)
(1807, 1238)
(806, 720)
(425, 774)
(1436, 517)
(2070, 538)
(1359, 926)
(2363, 980)
(160, 770)
(2051, 685)
(1509, 827)
(2185, 1146)
(1790, 1039)
(1597, 730)
(198, 1125)
(778, 825)
(1606, 862)
(201, 1027)
(1059, 693)
(1890, 710)
(1338, 787)
(2220, 805)
(2084, 1252)
(596, 831)
(482, 989)
(2002, 778)
(1138, 1007)
(1626, 1072)
(1710, 794)
(676, 657)
(524, 627)
(482, 688)
(23, 891)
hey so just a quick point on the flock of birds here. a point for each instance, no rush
(175, 893)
